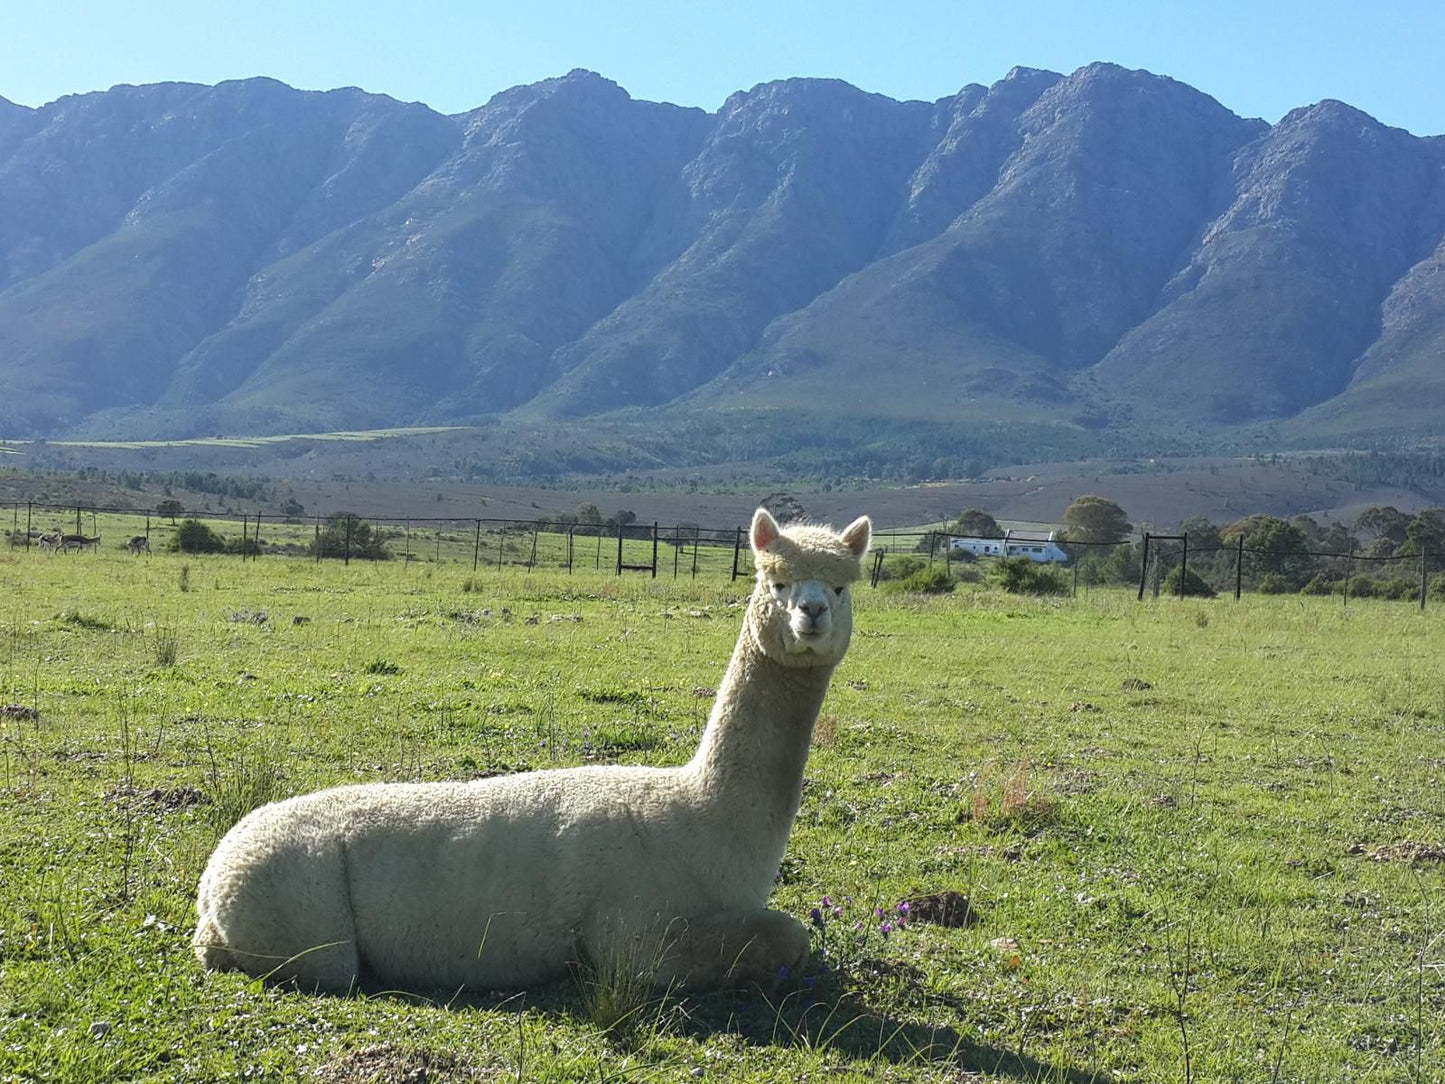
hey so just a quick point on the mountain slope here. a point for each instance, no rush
(1107, 254)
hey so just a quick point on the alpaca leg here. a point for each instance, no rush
(729, 950)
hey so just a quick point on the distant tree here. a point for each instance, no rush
(975, 523)
(1095, 519)
(1277, 549)
(348, 535)
(785, 507)
(170, 508)
(1336, 538)
(1202, 534)
(1385, 526)
(1426, 533)
(589, 519)
(293, 508)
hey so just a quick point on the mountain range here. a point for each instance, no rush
(1106, 256)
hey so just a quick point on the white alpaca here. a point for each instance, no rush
(504, 881)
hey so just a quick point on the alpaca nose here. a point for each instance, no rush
(814, 610)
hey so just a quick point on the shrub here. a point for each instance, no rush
(923, 582)
(1189, 583)
(193, 536)
(899, 566)
(1437, 588)
(1272, 583)
(1020, 576)
(1320, 585)
(1399, 587)
(347, 535)
(1360, 587)
(244, 547)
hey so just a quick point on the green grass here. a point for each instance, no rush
(1200, 839)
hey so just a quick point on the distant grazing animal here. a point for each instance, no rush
(50, 542)
(138, 544)
(504, 882)
(78, 542)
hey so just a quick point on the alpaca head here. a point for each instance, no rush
(802, 609)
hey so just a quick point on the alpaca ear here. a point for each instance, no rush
(765, 530)
(858, 534)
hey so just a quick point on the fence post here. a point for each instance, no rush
(1239, 568)
(501, 544)
(877, 565)
(1183, 565)
(1424, 579)
(696, 535)
(569, 550)
(317, 546)
(1143, 566)
(619, 547)
(737, 550)
(77, 520)
(29, 508)
(15, 527)
(347, 559)
(406, 529)
(654, 549)
(676, 549)
(477, 546)
(931, 541)
(532, 560)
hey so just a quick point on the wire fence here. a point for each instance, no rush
(1156, 563)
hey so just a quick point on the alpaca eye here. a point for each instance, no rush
(840, 590)
(780, 587)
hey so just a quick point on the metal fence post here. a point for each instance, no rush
(737, 550)
(1239, 569)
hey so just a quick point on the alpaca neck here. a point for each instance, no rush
(752, 754)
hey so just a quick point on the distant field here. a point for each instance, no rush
(442, 471)
(255, 442)
(1200, 840)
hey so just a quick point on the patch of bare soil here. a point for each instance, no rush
(947, 908)
(386, 1063)
(1407, 850)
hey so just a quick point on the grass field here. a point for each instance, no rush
(1198, 840)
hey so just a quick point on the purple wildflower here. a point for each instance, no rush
(825, 902)
(816, 916)
(886, 929)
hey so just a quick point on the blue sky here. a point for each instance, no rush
(1259, 58)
